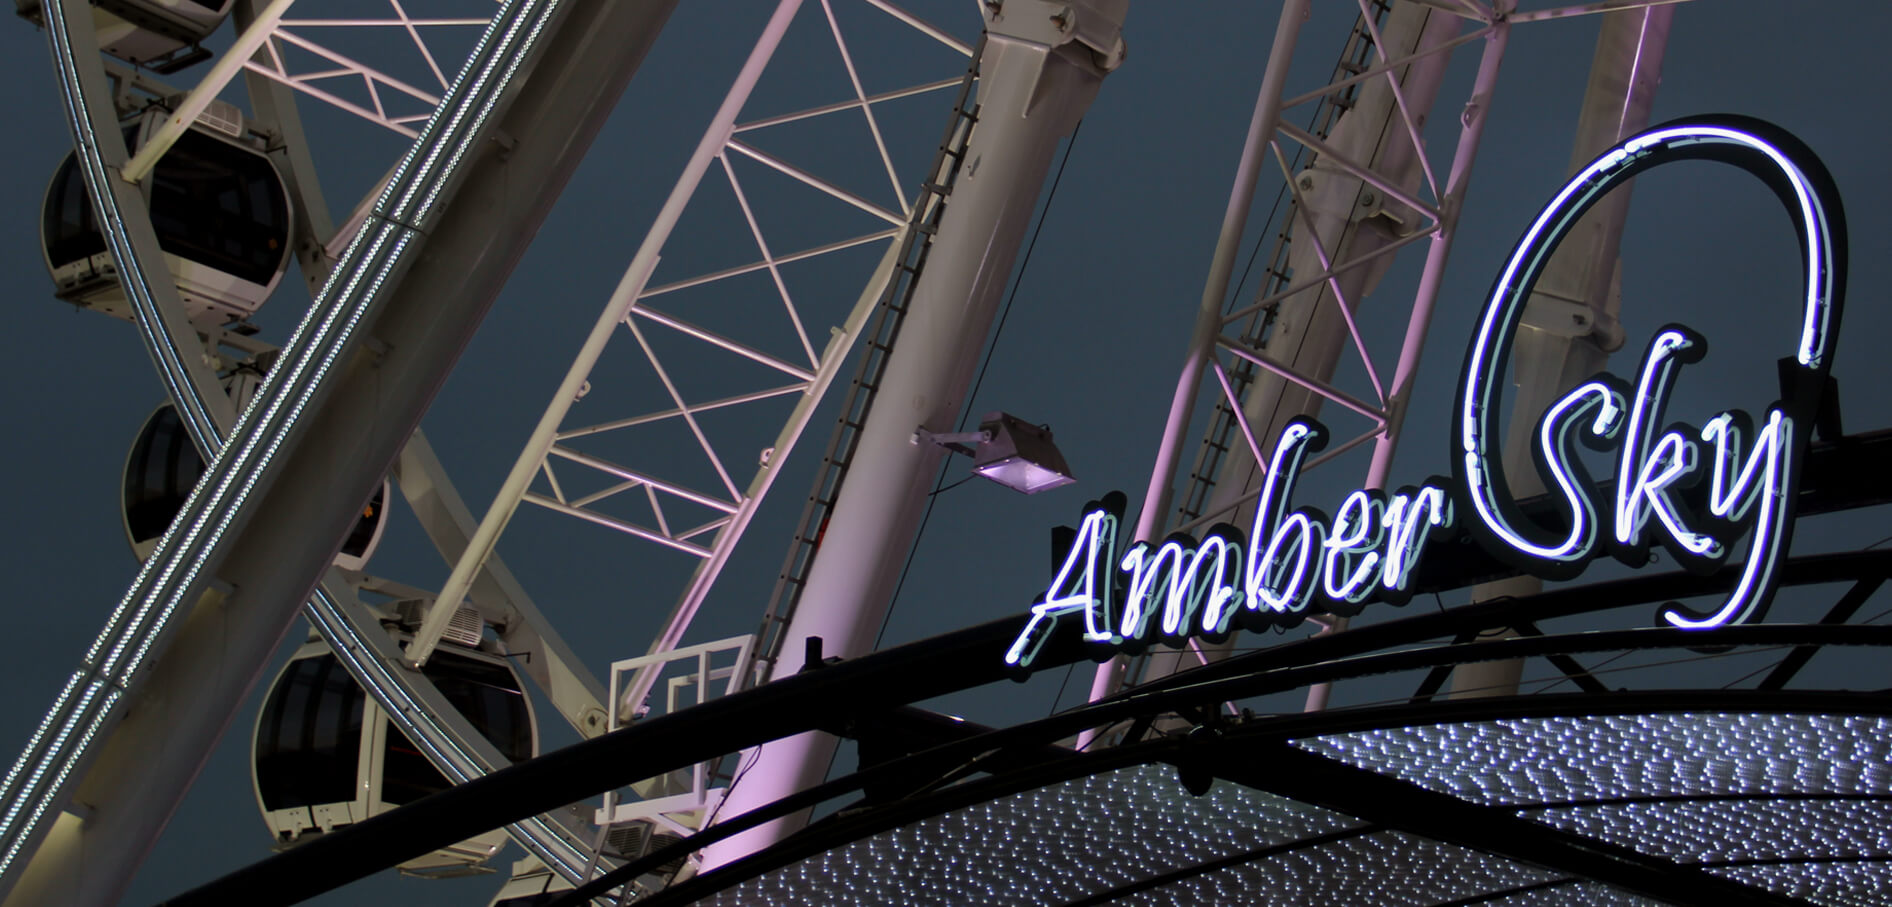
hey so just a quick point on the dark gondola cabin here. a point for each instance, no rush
(159, 35)
(221, 213)
(325, 755)
(163, 467)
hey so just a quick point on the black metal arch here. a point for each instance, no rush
(875, 684)
(981, 750)
(1258, 755)
(1565, 601)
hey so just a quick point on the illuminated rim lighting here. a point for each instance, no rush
(38, 782)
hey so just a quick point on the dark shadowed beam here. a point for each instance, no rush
(806, 701)
(973, 657)
(1842, 611)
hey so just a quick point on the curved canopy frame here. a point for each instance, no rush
(1025, 756)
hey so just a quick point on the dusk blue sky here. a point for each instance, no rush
(1101, 317)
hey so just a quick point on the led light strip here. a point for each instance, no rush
(172, 576)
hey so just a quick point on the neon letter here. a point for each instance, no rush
(1358, 529)
(1649, 465)
(1773, 445)
(1089, 593)
(1408, 520)
(1271, 581)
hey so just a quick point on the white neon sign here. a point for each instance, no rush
(1294, 561)
(1654, 465)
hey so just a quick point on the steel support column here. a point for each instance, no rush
(1261, 128)
(1556, 349)
(1405, 375)
(349, 434)
(1039, 72)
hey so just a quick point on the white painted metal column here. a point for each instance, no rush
(1477, 112)
(708, 149)
(1570, 325)
(1336, 217)
(1042, 66)
(126, 769)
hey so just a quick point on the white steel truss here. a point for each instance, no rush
(302, 54)
(1242, 328)
(1243, 331)
(141, 626)
(701, 508)
(1409, 203)
(1231, 339)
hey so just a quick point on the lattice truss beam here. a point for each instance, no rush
(1367, 191)
(666, 450)
(327, 58)
(792, 374)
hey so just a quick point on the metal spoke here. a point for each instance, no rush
(922, 26)
(1366, 174)
(613, 523)
(1383, 68)
(717, 340)
(1320, 387)
(840, 106)
(1312, 235)
(1235, 406)
(625, 472)
(631, 308)
(740, 270)
(775, 272)
(867, 110)
(736, 400)
(1324, 276)
(689, 419)
(790, 170)
(301, 33)
(604, 493)
(657, 509)
(551, 478)
(413, 32)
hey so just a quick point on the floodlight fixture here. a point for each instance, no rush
(1008, 450)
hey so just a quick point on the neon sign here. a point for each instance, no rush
(1697, 492)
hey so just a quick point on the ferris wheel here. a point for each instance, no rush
(182, 211)
(231, 199)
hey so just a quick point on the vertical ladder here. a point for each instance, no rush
(915, 242)
(1199, 487)
(1355, 58)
